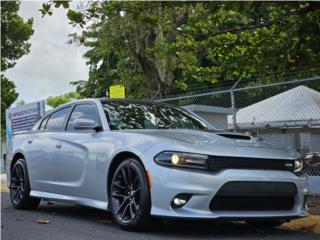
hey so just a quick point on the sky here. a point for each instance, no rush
(52, 63)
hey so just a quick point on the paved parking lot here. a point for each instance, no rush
(75, 222)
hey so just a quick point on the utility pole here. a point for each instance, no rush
(233, 105)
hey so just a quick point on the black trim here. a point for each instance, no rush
(254, 196)
(44, 127)
(216, 164)
(235, 136)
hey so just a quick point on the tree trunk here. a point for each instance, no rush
(155, 80)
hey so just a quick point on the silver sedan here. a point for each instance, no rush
(145, 160)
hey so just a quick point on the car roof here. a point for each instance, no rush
(126, 100)
(106, 100)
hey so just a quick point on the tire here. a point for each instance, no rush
(265, 223)
(130, 196)
(20, 187)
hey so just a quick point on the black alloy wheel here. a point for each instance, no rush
(130, 196)
(126, 194)
(17, 186)
(20, 187)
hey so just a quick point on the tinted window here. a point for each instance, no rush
(43, 123)
(87, 111)
(56, 120)
(126, 115)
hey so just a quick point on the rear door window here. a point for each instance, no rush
(57, 120)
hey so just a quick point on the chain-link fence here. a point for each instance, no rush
(287, 108)
(283, 112)
(262, 106)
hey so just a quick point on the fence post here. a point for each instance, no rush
(233, 105)
(234, 112)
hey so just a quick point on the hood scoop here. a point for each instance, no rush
(235, 136)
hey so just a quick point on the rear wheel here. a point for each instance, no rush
(130, 196)
(20, 187)
(265, 223)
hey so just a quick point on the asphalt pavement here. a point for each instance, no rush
(67, 221)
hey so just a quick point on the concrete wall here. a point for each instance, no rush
(304, 140)
(220, 121)
(315, 142)
(217, 116)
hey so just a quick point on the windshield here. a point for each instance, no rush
(129, 115)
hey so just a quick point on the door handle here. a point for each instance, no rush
(30, 141)
(58, 145)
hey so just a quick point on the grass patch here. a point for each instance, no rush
(310, 224)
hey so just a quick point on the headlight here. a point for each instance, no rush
(298, 165)
(184, 160)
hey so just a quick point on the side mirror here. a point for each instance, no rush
(85, 124)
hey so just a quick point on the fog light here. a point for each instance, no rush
(180, 200)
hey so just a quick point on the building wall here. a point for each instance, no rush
(282, 139)
(219, 121)
(315, 142)
(304, 140)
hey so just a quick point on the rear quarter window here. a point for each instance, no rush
(43, 123)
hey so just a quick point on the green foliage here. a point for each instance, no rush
(15, 33)
(61, 99)
(8, 96)
(151, 47)
(46, 7)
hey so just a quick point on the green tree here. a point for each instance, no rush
(15, 33)
(156, 46)
(8, 96)
(61, 99)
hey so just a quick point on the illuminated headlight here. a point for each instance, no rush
(180, 159)
(298, 165)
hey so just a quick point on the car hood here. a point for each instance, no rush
(220, 143)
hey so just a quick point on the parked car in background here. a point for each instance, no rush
(312, 169)
(142, 160)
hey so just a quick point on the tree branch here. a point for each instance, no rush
(243, 28)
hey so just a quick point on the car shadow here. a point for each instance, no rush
(168, 228)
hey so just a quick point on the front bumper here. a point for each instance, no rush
(168, 182)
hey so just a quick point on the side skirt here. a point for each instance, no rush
(70, 199)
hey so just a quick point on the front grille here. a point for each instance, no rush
(216, 163)
(254, 196)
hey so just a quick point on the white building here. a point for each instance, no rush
(291, 118)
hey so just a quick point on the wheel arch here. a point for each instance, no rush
(15, 158)
(116, 161)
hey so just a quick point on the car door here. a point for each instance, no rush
(42, 147)
(75, 159)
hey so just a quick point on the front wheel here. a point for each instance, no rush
(130, 196)
(20, 187)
